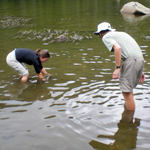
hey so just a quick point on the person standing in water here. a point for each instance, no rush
(127, 49)
(16, 59)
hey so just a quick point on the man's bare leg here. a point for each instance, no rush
(129, 101)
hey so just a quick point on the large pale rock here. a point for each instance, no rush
(135, 8)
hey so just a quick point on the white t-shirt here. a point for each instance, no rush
(129, 47)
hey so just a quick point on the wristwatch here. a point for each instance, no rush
(117, 67)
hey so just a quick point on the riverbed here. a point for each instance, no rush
(81, 106)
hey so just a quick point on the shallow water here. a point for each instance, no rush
(81, 106)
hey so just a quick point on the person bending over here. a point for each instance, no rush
(16, 59)
(127, 49)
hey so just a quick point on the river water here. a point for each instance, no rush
(81, 106)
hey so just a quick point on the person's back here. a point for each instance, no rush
(129, 47)
(24, 55)
(16, 59)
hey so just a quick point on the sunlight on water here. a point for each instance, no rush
(81, 107)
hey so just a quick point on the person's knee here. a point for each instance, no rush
(24, 78)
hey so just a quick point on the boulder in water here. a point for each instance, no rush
(135, 8)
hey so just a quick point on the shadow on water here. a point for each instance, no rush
(30, 91)
(124, 138)
(80, 107)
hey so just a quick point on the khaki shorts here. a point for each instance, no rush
(130, 73)
(16, 65)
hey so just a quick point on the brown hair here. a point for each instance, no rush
(43, 53)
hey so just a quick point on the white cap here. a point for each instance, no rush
(104, 26)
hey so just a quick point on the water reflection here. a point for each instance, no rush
(30, 91)
(81, 102)
(14, 94)
(131, 18)
(125, 137)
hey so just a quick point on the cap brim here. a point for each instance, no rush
(96, 33)
(113, 30)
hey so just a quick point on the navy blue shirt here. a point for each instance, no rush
(29, 57)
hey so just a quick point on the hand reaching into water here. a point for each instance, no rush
(47, 76)
(44, 78)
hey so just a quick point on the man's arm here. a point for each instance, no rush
(117, 53)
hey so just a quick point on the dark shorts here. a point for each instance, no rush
(130, 73)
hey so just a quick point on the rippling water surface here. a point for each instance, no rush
(81, 106)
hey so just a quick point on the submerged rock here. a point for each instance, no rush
(61, 38)
(50, 36)
(147, 37)
(135, 8)
(11, 22)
